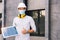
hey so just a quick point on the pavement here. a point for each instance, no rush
(32, 38)
(38, 38)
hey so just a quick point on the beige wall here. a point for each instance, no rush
(1, 7)
(36, 4)
(1, 38)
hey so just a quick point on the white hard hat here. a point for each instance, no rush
(21, 5)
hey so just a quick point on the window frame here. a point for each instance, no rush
(33, 34)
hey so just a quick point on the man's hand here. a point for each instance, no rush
(30, 31)
(24, 31)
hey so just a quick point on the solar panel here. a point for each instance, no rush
(9, 31)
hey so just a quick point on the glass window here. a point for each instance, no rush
(39, 18)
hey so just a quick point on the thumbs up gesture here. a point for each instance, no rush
(24, 31)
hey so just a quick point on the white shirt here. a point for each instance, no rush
(25, 23)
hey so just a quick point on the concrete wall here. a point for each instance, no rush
(1, 38)
(36, 4)
(1, 7)
(11, 11)
(55, 19)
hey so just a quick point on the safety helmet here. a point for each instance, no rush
(21, 5)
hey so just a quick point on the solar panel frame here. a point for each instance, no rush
(5, 31)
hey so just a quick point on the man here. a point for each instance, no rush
(23, 23)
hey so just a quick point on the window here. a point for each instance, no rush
(0, 22)
(39, 18)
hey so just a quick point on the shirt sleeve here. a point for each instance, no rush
(14, 24)
(32, 23)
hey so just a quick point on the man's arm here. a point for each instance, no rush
(30, 31)
(33, 26)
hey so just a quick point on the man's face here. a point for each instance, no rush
(22, 8)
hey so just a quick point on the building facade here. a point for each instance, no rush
(34, 10)
(46, 14)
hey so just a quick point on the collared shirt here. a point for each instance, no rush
(25, 23)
